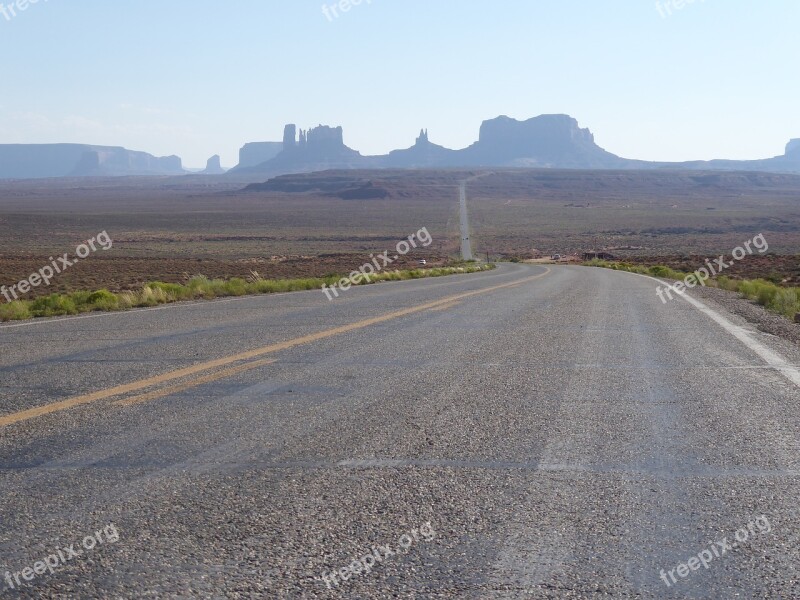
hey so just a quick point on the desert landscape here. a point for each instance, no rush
(310, 225)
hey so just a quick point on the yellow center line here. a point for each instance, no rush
(446, 306)
(168, 391)
(136, 386)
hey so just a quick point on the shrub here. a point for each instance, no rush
(152, 296)
(102, 300)
(14, 311)
(199, 286)
(786, 302)
(173, 291)
(53, 306)
(234, 287)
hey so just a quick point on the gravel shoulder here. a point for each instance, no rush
(764, 320)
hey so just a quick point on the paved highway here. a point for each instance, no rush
(521, 433)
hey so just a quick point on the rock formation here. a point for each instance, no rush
(213, 166)
(34, 161)
(316, 149)
(256, 153)
(423, 154)
(547, 141)
(289, 136)
(544, 141)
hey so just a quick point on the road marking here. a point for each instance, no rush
(773, 359)
(136, 386)
(446, 306)
(168, 391)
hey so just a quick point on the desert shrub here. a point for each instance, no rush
(152, 296)
(726, 283)
(127, 300)
(759, 290)
(234, 287)
(53, 306)
(99, 300)
(665, 272)
(157, 292)
(200, 286)
(173, 291)
(15, 311)
(786, 302)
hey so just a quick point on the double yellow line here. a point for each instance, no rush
(254, 356)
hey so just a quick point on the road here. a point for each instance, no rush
(466, 244)
(528, 432)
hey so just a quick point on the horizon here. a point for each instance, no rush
(617, 77)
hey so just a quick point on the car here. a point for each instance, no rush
(422, 262)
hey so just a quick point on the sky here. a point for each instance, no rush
(711, 79)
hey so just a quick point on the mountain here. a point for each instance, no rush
(317, 149)
(422, 154)
(35, 161)
(213, 166)
(255, 153)
(788, 163)
(546, 141)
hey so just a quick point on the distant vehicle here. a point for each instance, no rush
(423, 262)
(555, 257)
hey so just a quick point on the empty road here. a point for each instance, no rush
(528, 432)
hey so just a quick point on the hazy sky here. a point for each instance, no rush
(716, 79)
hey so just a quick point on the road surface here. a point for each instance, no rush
(521, 433)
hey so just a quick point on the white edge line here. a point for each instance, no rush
(773, 359)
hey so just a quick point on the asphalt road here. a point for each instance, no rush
(521, 433)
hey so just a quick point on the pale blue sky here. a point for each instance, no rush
(717, 79)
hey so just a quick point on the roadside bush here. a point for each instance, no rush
(786, 302)
(14, 311)
(152, 296)
(726, 283)
(53, 306)
(234, 287)
(759, 290)
(157, 292)
(99, 300)
(173, 291)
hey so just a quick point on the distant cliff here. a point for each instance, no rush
(213, 166)
(317, 149)
(255, 153)
(546, 141)
(422, 154)
(35, 161)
